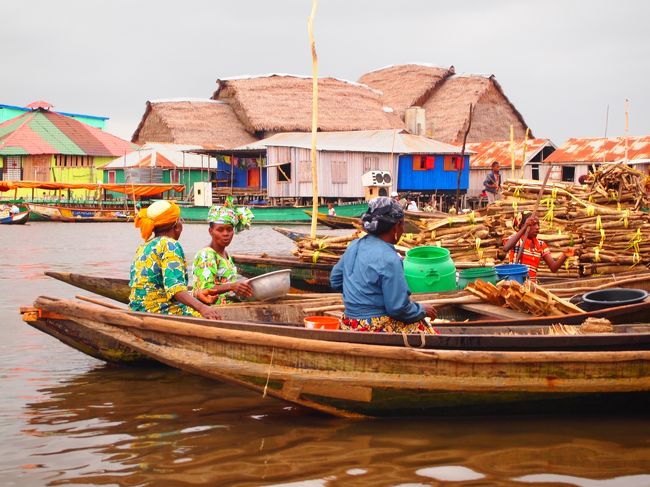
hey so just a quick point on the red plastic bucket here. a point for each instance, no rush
(322, 322)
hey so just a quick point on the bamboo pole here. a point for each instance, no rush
(314, 118)
(512, 150)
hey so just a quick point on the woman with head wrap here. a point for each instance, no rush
(215, 274)
(534, 249)
(159, 272)
(371, 276)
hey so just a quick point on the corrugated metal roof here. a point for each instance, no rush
(490, 150)
(381, 141)
(163, 155)
(44, 132)
(598, 150)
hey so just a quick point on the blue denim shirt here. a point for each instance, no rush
(371, 276)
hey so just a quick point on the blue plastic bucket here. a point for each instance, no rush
(514, 272)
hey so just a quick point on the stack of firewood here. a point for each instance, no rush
(527, 298)
(617, 183)
(468, 238)
(324, 250)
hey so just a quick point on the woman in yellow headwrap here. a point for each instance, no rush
(159, 272)
(215, 275)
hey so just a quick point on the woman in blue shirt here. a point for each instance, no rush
(371, 276)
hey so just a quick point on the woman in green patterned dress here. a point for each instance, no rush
(159, 272)
(215, 274)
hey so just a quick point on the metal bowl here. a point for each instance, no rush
(272, 285)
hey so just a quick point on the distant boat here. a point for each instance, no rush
(20, 218)
(335, 221)
(69, 213)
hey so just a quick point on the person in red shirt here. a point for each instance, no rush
(534, 249)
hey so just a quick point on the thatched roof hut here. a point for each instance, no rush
(208, 123)
(446, 98)
(406, 85)
(283, 103)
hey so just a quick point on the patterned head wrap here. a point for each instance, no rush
(239, 217)
(520, 218)
(383, 213)
(158, 214)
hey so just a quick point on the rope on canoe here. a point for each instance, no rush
(268, 377)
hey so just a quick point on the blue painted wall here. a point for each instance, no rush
(240, 174)
(430, 179)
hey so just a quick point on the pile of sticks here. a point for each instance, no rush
(324, 250)
(527, 298)
(618, 183)
(468, 238)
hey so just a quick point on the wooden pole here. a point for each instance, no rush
(627, 128)
(314, 118)
(512, 151)
(539, 197)
(523, 157)
(462, 159)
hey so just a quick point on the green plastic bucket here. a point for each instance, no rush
(429, 269)
(485, 274)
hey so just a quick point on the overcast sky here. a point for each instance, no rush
(561, 62)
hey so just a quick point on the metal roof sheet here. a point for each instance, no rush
(601, 149)
(163, 155)
(381, 141)
(499, 150)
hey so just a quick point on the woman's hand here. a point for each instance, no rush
(430, 311)
(209, 313)
(569, 252)
(206, 296)
(242, 289)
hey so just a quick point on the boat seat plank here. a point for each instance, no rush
(496, 311)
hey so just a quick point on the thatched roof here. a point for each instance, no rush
(406, 85)
(208, 123)
(283, 103)
(448, 110)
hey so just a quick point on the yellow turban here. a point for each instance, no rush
(158, 214)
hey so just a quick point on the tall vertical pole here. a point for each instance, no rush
(314, 118)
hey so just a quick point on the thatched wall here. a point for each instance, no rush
(448, 110)
(205, 123)
(406, 85)
(279, 103)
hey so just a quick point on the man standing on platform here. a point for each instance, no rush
(492, 183)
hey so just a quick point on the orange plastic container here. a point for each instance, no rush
(322, 322)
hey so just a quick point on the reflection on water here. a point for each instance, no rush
(69, 419)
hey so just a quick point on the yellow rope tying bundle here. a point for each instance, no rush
(618, 205)
(433, 234)
(613, 195)
(599, 223)
(517, 192)
(591, 210)
(405, 236)
(596, 254)
(321, 246)
(479, 250)
(634, 245)
(550, 204)
(514, 206)
(450, 220)
(626, 215)
(471, 218)
(602, 238)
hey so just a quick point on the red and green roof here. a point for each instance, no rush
(43, 132)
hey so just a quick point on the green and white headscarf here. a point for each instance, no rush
(239, 217)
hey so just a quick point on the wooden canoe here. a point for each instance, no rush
(7, 218)
(76, 214)
(335, 222)
(358, 379)
(481, 314)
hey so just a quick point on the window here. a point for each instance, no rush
(111, 177)
(304, 171)
(370, 164)
(340, 172)
(568, 174)
(284, 173)
(534, 171)
(453, 163)
(61, 160)
(174, 176)
(419, 163)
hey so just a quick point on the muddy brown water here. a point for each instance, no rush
(68, 419)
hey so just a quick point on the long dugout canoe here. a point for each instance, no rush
(355, 380)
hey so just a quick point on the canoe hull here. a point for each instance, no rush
(71, 214)
(353, 380)
(15, 219)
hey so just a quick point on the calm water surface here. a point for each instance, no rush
(66, 418)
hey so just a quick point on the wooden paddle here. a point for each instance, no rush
(539, 197)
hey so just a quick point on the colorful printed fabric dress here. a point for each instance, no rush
(211, 269)
(158, 272)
